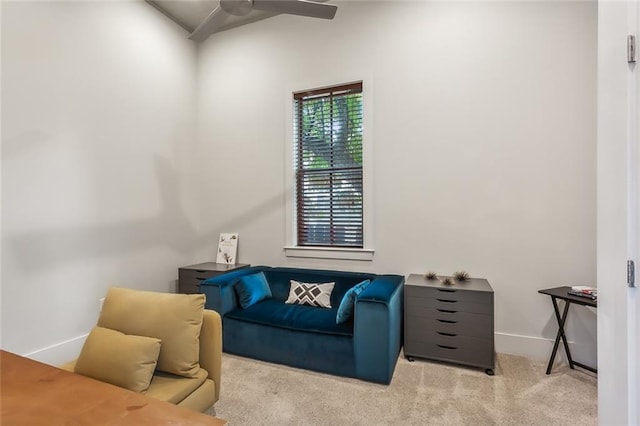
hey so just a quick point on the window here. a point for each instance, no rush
(327, 135)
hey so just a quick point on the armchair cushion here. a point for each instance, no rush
(251, 289)
(119, 359)
(171, 388)
(175, 319)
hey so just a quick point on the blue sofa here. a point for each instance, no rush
(366, 347)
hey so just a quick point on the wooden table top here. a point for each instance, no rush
(39, 394)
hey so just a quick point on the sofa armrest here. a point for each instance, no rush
(219, 292)
(377, 333)
(382, 289)
(211, 347)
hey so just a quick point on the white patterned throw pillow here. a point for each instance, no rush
(310, 294)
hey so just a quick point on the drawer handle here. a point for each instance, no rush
(446, 290)
(201, 278)
(446, 301)
(446, 311)
(446, 334)
(446, 347)
(201, 272)
(447, 321)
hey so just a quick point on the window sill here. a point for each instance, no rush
(329, 253)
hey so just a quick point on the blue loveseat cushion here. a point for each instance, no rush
(251, 289)
(347, 305)
(274, 313)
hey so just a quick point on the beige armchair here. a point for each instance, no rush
(188, 367)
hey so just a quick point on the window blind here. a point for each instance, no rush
(328, 166)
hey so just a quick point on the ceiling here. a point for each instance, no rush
(189, 14)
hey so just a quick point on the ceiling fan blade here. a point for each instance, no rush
(212, 23)
(237, 7)
(297, 7)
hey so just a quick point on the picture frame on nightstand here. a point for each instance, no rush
(227, 248)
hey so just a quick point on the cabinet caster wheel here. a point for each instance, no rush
(489, 372)
(410, 359)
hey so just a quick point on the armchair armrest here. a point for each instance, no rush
(211, 347)
(218, 291)
(377, 332)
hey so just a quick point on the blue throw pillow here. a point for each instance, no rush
(251, 289)
(347, 305)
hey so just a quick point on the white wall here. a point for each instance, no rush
(484, 156)
(618, 185)
(485, 144)
(98, 115)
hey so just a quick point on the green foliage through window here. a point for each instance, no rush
(328, 166)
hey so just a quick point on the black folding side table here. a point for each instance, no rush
(562, 293)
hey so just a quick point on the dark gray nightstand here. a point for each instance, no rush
(190, 277)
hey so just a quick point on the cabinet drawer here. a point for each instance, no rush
(462, 324)
(456, 294)
(460, 355)
(190, 277)
(414, 305)
(189, 285)
(194, 273)
(462, 349)
(442, 339)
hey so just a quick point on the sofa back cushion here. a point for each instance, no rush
(175, 319)
(279, 281)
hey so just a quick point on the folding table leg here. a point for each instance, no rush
(560, 336)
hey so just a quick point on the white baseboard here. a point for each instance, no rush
(59, 353)
(537, 348)
(540, 348)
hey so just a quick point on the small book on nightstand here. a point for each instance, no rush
(227, 248)
(584, 291)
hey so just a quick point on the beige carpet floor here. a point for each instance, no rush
(421, 393)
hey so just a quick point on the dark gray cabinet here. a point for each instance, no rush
(190, 277)
(451, 323)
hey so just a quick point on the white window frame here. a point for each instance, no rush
(291, 248)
